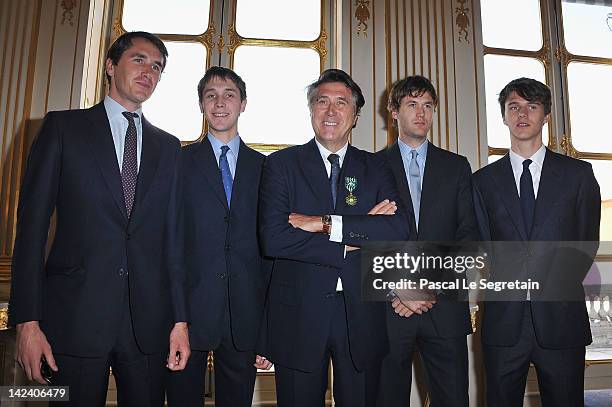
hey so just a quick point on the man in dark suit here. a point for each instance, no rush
(315, 200)
(534, 194)
(111, 291)
(226, 275)
(436, 189)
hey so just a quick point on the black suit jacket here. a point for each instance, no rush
(446, 215)
(568, 208)
(79, 294)
(307, 265)
(222, 256)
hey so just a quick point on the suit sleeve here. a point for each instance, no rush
(588, 215)
(37, 200)
(175, 245)
(358, 229)
(278, 238)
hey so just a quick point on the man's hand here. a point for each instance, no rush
(32, 345)
(385, 207)
(410, 302)
(179, 347)
(262, 363)
(407, 308)
(307, 223)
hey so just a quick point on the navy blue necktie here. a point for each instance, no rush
(226, 175)
(129, 166)
(334, 159)
(527, 197)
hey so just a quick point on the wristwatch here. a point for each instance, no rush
(327, 223)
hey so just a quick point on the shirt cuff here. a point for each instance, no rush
(335, 234)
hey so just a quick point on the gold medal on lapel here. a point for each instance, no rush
(350, 183)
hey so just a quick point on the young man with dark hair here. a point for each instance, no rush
(316, 205)
(226, 274)
(534, 194)
(436, 190)
(110, 293)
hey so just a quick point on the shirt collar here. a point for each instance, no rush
(537, 158)
(233, 144)
(405, 149)
(325, 152)
(115, 109)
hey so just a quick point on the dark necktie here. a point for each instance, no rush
(527, 197)
(334, 159)
(226, 175)
(129, 167)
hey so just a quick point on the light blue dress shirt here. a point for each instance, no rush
(118, 125)
(232, 154)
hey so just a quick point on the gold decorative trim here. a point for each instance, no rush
(67, 14)
(497, 151)
(362, 15)
(117, 29)
(268, 148)
(462, 20)
(544, 55)
(3, 316)
(234, 39)
(562, 55)
(568, 148)
(221, 43)
(208, 37)
(320, 45)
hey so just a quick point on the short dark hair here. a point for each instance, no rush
(413, 86)
(225, 74)
(124, 42)
(530, 90)
(337, 75)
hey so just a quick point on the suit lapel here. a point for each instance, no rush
(551, 182)
(503, 179)
(397, 166)
(314, 172)
(351, 167)
(103, 149)
(149, 161)
(205, 161)
(244, 173)
(432, 175)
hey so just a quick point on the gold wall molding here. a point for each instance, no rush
(544, 55)
(320, 45)
(67, 13)
(562, 55)
(234, 38)
(568, 148)
(462, 20)
(362, 15)
(208, 37)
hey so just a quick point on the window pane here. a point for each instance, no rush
(603, 173)
(589, 89)
(511, 24)
(277, 110)
(174, 104)
(157, 16)
(279, 19)
(588, 29)
(499, 70)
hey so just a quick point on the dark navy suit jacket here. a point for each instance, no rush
(307, 265)
(100, 262)
(568, 208)
(222, 255)
(446, 215)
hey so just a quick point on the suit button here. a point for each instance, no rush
(329, 295)
(226, 218)
(222, 276)
(122, 272)
(227, 247)
(128, 236)
(351, 234)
